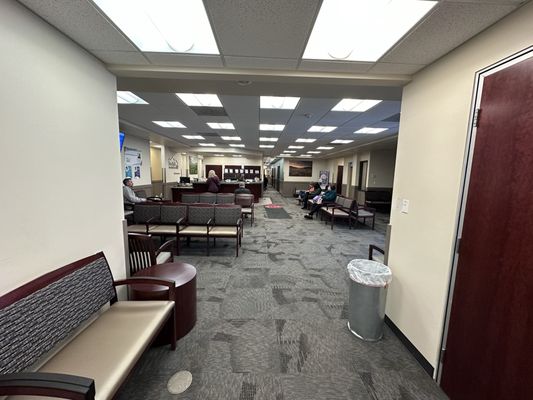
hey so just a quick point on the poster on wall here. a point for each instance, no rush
(173, 162)
(300, 168)
(193, 165)
(132, 163)
(324, 179)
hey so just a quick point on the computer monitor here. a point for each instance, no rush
(185, 179)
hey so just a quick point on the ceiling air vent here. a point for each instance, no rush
(210, 111)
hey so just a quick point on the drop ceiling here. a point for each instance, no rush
(261, 43)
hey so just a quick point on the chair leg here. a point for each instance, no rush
(237, 246)
(177, 245)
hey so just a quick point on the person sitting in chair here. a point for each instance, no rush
(310, 194)
(242, 189)
(129, 195)
(328, 196)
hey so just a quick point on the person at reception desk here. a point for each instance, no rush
(213, 182)
(128, 193)
(242, 189)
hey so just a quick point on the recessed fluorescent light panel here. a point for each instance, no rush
(169, 124)
(368, 130)
(193, 137)
(341, 30)
(266, 146)
(314, 152)
(290, 151)
(280, 103)
(305, 140)
(268, 139)
(164, 26)
(325, 148)
(217, 125)
(207, 144)
(325, 129)
(237, 138)
(296, 147)
(129, 98)
(355, 105)
(340, 141)
(305, 155)
(200, 100)
(236, 145)
(271, 127)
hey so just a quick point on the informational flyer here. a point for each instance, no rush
(132, 163)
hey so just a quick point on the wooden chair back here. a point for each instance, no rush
(141, 252)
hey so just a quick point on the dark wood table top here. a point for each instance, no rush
(179, 272)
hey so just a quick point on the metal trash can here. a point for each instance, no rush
(368, 293)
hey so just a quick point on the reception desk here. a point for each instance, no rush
(225, 187)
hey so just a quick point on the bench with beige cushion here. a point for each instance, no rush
(65, 335)
(339, 210)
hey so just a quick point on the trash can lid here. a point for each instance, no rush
(369, 273)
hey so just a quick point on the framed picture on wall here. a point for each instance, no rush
(300, 168)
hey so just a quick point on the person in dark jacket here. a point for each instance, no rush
(327, 196)
(242, 189)
(213, 183)
(310, 194)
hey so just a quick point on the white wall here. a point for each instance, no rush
(433, 131)
(381, 168)
(143, 146)
(212, 160)
(58, 110)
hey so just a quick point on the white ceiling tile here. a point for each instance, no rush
(335, 66)
(184, 60)
(389, 68)
(121, 57)
(450, 25)
(258, 28)
(262, 63)
(81, 21)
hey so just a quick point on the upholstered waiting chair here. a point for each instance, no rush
(225, 198)
(143, 254)
(189, 197)
(246, 201)
(208, 198)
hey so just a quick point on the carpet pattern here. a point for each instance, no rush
(272, 322)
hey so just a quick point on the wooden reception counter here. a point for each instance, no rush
(225, 187)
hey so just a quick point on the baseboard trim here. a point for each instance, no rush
(410, 346)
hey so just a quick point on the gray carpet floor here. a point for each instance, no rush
(272, 322)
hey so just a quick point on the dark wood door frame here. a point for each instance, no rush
(340, 169)
(456, 286)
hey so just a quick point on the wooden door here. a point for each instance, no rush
(216, 168)
(340, 169)
(489, 345)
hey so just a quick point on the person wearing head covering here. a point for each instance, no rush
(213, 183)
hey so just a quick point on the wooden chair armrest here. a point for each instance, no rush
(168, 244)
(47, 384)
(151, 281)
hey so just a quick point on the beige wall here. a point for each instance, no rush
(156, 167)
(381, 169)
(58, 111)
(431, 145)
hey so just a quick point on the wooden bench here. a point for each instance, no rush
(66, 335)
(347, 209)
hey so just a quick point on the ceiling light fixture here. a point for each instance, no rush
(305, 140)
(268, 139)
(169, 124)
(296, 147)
(152, 25)
(193, 137)
(279, 103)
(124, 97)
(305, 155)
(355, 105)
(314, 152)
(325, 147)
(324, 129)
(200, 100)
(266, 146)
(207, 144)
(369, 130)
(271, 127)
(231, 138)
(290, 151)
(236, 145)
(220, 125)
(341, 28)
(341, 141)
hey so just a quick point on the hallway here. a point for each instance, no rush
(272, 322)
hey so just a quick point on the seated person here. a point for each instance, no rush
(328, 196)
(310, 194)
(303, 193)
(129, 195)
(242, 189)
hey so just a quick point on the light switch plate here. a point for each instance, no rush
(405, 206)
